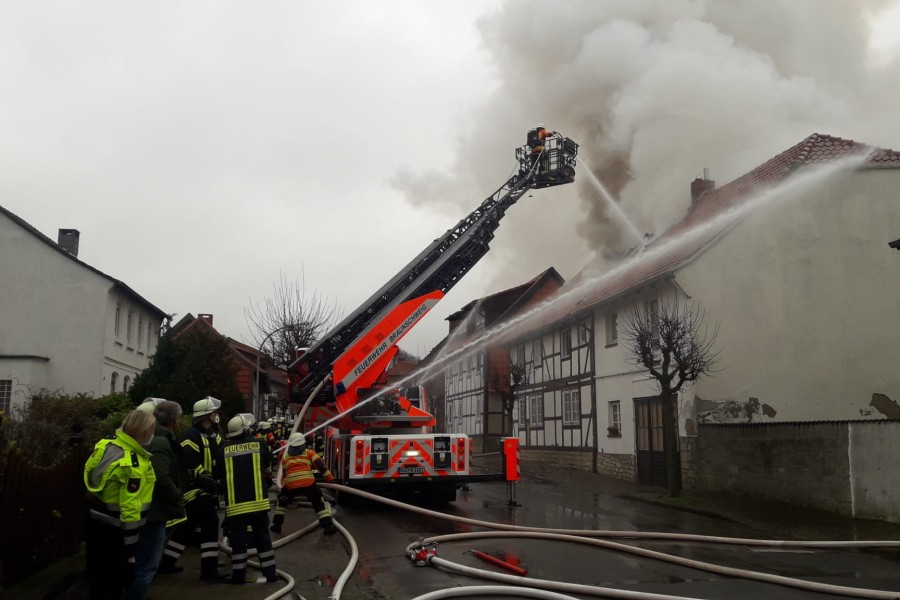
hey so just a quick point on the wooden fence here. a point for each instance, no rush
(41, 512)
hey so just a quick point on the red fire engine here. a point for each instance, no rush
(375, 435)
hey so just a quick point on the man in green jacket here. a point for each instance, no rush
(172, 481)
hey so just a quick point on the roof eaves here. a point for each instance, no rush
(49, 242)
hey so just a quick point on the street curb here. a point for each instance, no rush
(681, 507)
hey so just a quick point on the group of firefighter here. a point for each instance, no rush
(151, 493)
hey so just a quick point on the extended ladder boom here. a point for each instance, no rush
(443, 263)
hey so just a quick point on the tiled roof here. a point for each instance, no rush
(513, 294)
(660, 258)
(512, 300)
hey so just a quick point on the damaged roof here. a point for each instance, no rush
(659, 259)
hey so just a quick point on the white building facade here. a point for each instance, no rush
(65, 326)
(796, 269)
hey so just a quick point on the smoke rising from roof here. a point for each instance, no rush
(654, 92)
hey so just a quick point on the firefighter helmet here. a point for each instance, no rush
(297, 440)
(207, 406)
(263, 425)
(239, 424)
(149, 404)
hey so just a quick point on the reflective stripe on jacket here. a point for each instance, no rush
(120, 479)
(241, 464)
(200, 448)
(298, 469)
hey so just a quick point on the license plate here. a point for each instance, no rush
(407, 470)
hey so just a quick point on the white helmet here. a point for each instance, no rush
(239, 424)
(264, 425)
(207, 406)
(149, 404)
(297, 440)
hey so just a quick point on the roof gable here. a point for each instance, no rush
(49, 242)
(513, 301)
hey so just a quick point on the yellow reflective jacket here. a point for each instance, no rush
(120, 480)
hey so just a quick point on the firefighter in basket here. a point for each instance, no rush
(298, 463)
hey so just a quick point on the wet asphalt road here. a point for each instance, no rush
(562, 500)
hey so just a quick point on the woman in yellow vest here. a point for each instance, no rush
(119, 479)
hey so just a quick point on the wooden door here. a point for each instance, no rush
(651, 456)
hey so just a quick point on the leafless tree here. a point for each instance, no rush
(289, 319)
(518, 378)
(673, 342)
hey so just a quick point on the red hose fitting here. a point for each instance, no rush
(500, 563)
(422, 554)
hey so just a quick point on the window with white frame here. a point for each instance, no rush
(450, 416)
(565, 342)
(140, 331)
(149, 331)
(113, 380)
(128, 322)
(612, 329)
(536, 411)
(126, 383)
(537, 353)
(118, 324)
(571, 407)
(5, 394)
(520, 355)
(584, 333)
(522, 408)
(615, 418)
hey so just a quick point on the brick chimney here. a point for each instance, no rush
(700, 186)
(68, 240)
(206, 317)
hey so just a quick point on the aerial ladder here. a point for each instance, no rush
(376, 435)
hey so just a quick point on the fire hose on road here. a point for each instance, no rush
(424, 552)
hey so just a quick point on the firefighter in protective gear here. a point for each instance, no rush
(240, 466)
(200, 444)
(120, 479)
(535, 140)
(298, 463)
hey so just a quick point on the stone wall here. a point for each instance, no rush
(620, 466)
(566, 458)
(806, 464)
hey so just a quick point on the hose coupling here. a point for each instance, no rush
(422, 553)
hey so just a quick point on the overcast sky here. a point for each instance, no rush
(204, 148)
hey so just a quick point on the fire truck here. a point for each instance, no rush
(378, 436)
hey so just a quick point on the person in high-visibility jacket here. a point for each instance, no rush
(240, 466)
(298, 463)
(119, 479)
(200, 443)
(172, 481)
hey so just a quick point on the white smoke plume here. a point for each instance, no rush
(654, 92)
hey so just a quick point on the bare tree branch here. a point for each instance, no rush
(673, 342)
(292, 319)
